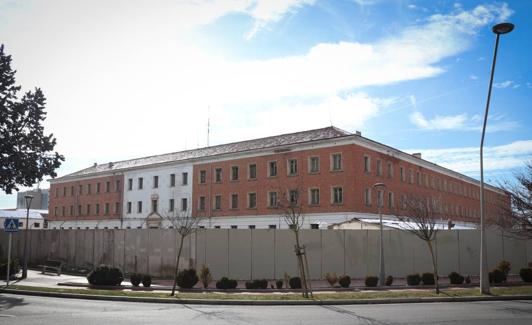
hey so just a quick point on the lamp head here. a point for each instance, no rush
(503, 28)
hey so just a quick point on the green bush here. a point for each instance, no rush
(14, 268)
(389, 280)
(456, 278)
(526, 274)
(497, 276)
(371, 281)
(146, 280)
(344, 281)
(505, 267)
(468, 279)
(135, 279)
(295, 282)
(428, 278)
(279, 284)
(257, 284)
(225, 283)
(187, 279)
(106, 275)
(413, 279)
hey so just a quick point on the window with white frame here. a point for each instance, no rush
(202, 176)
(314, 196)
(171, 205)
(314, 164)
(201, 203)
(367, 196)
(337, 195)
(367, 164)
(272, 199)
(272, 168)
(292, 167)
(217, 202)
(184, 204)
(390, 169)
(172, 180)
(252, 200)
(252, 171)
(379, 167)
(234, 173)
(336, 161)
(293, 197)
(390, 200)
(234, 201)
(218, 175)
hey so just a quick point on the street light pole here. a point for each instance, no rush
(378, 187)
(499, 30)
(25, 253)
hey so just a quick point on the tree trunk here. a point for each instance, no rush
(301, 266)
(434, 267)
(177, 264)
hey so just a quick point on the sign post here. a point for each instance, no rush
(10, 226)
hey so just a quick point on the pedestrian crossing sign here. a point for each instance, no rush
(11, 225)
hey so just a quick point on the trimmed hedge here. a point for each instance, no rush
(135, 279)
(279, 284)
(526, 274)
(295, 282)
(257, 284)
(344, 281)
(187, 279)
(497, 276)
(146, 280)
(371, 281)
(225, 283)
(456, 278)
(389, 280)
(106, 275)
(14, 268)
(413, 279)
(428, 279)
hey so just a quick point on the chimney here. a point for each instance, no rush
(95, 164)
(110, 164)
(358, 133)
(417, 155)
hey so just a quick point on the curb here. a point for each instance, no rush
(264, 302)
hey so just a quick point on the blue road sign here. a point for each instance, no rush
(11, 225)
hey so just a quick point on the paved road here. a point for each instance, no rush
(15, 309)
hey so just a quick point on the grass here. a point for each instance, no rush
(418, 293)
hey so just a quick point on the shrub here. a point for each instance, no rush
(225, 283)
(106, 275)
(146, 280)
(526, 274)
(389, 280)
(250, 285)
(332, 278)
(413, 279)
(428, 278)
(135, 279)
(261, 284)
(279, 284)
(295, 282)
(468, 279)
(14, 268)
(205, 276)
(497, 276)
(505, 267)
(456, 278)
(344, 281)
(371, 281)
(187, 279)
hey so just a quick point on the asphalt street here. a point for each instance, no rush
(17, 309)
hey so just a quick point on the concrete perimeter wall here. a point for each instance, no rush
(262, 253)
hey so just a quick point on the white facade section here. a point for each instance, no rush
(151, 190)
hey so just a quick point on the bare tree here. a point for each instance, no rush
(418, 217)
(295, 219)
(516, 213)
(184, 225)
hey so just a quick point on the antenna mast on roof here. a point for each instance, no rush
(208, 123)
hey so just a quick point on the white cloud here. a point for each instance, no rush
(467, 159)
(461, 122)
(504, 84)
(473, 77)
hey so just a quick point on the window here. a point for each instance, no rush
(367, 196)
(390, 169)
(117, 207)
(217, 227)
(234, 201)
(252, 171)
(336, 161)
(217, 202)
(171, 205)
(272, 226)
(57, 192)
(154, 205)
(234, 227)
(88, 209)
(251, 226)
(107, 186)
(234, 173)
(139, 207)
(201, 204)
(390, 200)
(337, 195)
(106, 208)
(272, 168)
(141, 183)
(379, 167)
(117, 185)
(218, 175)
(252, 200)
(314, 196)
(55, 214)
(367, 164)
(63, 211)
(418, 178)
(293, 196)
(71, 210)
(314, 163)
(202, 176)
(292, 167)
(272, 199)
(380, 198)
(72, 190)
(314, 226)
(402, 173)
(403, 202)
(155, 181)
(172, 180)
(80, 190)
(97, 208)
(184, 204)
(88, 189)
(129, 207)
(410, 176)
(184, 178)
(79, 210)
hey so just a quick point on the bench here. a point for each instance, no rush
(52, 265)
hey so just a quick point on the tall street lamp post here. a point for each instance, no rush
(25, 254)
(499, 30)
(380, 198)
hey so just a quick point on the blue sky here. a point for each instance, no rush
(126, 79)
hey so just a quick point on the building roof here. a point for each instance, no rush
(235, 147)
(21, 213)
